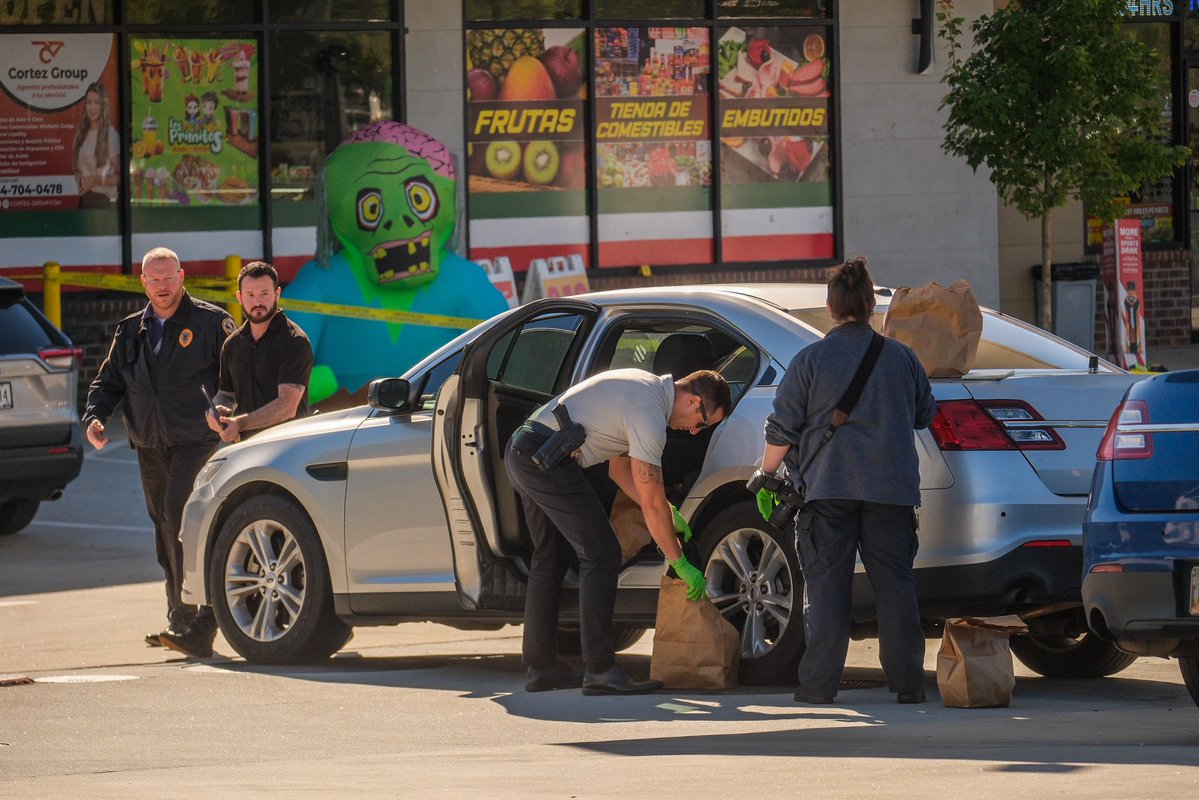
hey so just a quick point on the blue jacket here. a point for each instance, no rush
(872, 457)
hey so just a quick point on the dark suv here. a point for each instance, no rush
(41, 449)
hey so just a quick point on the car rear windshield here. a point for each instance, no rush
(21, 328)
(1006, 342)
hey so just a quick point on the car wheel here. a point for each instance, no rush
(16, 513)
(626, 637)
(1062, 656)
(269, 585)
(1190, 675)
(754, 580)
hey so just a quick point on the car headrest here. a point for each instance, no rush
(680, 354)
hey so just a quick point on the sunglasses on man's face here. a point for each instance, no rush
(703, 413)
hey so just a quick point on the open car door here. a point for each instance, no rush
(512, 369)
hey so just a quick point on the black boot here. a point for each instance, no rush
(616, 681)
(559, 676)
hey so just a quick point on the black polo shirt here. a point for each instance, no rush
(251, 371)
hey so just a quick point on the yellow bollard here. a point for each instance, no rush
(52, 292)
(232, 269)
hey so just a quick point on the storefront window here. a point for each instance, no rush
(173, 12)
(526, 132)
(83, 12)
(193, 161)
(60, 144)
(1153, 205)
(772, 8)
(650, 9)
(324, 86)
(653, 145)
(499, 10)
(326, 11)
(775, 148)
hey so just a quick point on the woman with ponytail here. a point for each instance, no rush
(862, 487)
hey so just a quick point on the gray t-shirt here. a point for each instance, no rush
(624, 411)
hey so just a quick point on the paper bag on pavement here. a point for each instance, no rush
(974, 665)
(942, 325)
(629, 524)
(695, 647)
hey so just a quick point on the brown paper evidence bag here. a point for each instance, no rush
(695, 647)
(974, 665)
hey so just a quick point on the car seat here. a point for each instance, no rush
(680, 354)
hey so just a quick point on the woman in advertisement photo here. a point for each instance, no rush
(96, 153)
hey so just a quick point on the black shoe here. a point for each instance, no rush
(191, 642)
(152, 640)
(560, 676)
(155, 639)
(911, 698)
(616, 681)
(813, 699)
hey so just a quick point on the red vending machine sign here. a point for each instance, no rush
(1123, 284)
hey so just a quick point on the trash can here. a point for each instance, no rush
(1074, 287)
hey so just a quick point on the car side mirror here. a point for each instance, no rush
(390, 394)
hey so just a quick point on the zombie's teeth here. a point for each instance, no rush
(412, 270)
(424, 265)
(412, 248)
(391, 273)
(424, 240)
(378, 253)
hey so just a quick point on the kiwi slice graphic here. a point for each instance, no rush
(502, 160)
(541, 162)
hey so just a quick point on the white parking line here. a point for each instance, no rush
(86, 678)
(7, 603)
(88, 526)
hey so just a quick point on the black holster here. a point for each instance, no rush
(562, 444)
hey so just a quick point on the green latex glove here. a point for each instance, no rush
(697, 585)
(680, 524)
(767, 500)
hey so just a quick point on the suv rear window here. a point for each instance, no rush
(21, 327)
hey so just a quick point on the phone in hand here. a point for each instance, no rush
(212, 406)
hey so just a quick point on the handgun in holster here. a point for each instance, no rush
(562, 443)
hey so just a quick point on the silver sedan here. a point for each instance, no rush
(401, 510)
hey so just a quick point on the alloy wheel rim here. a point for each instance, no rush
(750, 582)
(265, 580)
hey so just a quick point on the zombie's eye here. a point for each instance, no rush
(422, 199)
(370, 209)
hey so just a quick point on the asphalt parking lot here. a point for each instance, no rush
(426, 711)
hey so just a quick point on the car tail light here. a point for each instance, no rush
(1048, 543)
(1118, 445)
(61, 357)
(992, 425)
(1107, 568)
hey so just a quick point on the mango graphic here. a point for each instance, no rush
(528, 79)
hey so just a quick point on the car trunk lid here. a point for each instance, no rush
(1156, 465)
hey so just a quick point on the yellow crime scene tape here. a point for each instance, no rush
(214, 290)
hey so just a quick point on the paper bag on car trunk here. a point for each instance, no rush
(695, 647)
(974, 665)
(629, 524)
(942, 324)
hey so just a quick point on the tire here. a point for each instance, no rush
(294, 623)
(16, 513)
(569, 644)
(1190, 675)
(754, 579)
(1062, 656)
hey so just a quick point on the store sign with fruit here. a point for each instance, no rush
(194, 104)
(58, 121)
(388, 214)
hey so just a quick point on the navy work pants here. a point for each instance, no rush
(564, 514)
(828, 536)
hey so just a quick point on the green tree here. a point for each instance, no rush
(1059, 103)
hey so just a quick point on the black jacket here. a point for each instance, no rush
(160, 394)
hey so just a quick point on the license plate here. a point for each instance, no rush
(1195, 590)
(5, 395)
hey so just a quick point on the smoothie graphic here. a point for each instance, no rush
(241, 74)
(150, 144)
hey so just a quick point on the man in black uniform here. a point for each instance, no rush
(159, 359)
(265, 366)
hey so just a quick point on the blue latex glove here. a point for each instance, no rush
(697, 585)
(767, 500)
(680, 524)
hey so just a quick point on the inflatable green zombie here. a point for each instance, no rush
(390, 192)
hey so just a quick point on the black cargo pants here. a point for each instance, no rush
(564, 513)
(167, 478)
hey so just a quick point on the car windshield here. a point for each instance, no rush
(1006, 344)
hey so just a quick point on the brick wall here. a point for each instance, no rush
(1167, 298)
